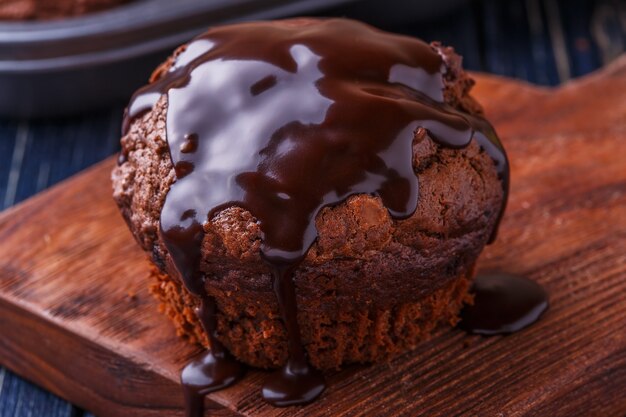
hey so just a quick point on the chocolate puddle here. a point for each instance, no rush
(503, 304)
(285, 118)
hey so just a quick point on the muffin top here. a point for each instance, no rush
(269, 125)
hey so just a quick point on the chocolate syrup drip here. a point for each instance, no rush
(488, 140)
(297, 382)
(213, 370)
(503, 304)
(285, 118)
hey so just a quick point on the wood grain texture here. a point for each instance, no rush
(76, 318)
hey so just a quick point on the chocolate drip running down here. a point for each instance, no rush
(213, 370)
(285, 118)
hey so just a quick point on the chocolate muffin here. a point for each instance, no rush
(52, 9)
(376, 207)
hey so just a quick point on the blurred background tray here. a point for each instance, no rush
(64, 66)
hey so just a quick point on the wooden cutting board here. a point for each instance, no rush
(76, 316)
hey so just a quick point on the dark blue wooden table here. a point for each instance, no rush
(544, 42)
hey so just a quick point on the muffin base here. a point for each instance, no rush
(257, 336)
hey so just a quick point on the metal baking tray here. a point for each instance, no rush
(52, 68)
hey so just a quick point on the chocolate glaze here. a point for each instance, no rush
(285, 118)
(503, 304)
(213, 370)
